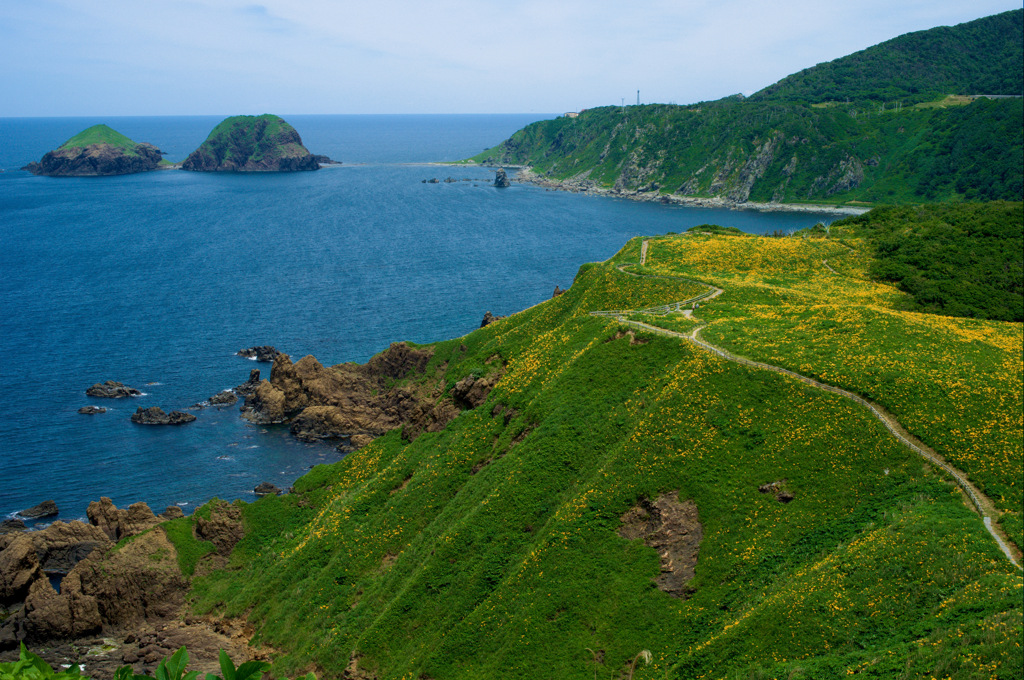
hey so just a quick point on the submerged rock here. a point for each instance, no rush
(263, 353)
(112, 390)
(91, 410)
(154, 415)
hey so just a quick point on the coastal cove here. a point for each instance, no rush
(157, 279)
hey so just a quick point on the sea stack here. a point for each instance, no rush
(252, 144)
(96, 152)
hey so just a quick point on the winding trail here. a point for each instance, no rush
(982, 504)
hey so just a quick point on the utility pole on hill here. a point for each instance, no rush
(638, 97)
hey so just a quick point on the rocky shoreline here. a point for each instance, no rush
(525, 175)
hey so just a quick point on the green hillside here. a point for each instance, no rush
(985, 56)
(523, 539)
(782, 152)
(101, 134)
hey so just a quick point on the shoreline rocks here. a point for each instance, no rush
(266, 489)
(112, 390)
(589, 187)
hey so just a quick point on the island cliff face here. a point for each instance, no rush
(252, 144)
(95, 152)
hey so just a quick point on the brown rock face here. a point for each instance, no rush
(223, 529)
(672, 528)
(96, 160)
(116, 524)
(356, 403)
(19, 567)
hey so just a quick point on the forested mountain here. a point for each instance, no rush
(985, 56)
(783, 152)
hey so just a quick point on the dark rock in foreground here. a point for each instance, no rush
(91, 410)
(97, 151)
(44, 509)
(154, 415)
(252, 144)
(263, 353)
(266, 489)
(501, 179)
(112, 390)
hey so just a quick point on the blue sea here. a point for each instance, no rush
(156, 280)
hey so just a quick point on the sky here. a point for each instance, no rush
(205, 57)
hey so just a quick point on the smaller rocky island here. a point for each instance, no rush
(96, 152)
(253, 144)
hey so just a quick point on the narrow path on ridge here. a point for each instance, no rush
(982, 503)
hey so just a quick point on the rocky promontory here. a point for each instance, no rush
(355, 403)
(95, 152)
(252, 144)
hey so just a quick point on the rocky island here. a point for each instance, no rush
(252, 144)
(95, 152)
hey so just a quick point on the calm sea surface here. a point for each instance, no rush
(156, 280)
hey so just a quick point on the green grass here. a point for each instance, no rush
(490, 549)
(180, 532)
(101, 134)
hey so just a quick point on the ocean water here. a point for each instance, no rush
(156, 280)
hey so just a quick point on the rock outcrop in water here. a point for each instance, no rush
(154, 415)
(252, 144)
(44, 509)
(501, 179)
(97, 151)
(112, 390)
(261, 353)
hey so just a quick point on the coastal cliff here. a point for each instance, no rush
(252, 144)
(96, 152)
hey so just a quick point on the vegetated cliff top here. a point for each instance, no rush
(985, 56)
(265, 143)
(97, 151)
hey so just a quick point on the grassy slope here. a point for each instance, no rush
(916, 155)
(477, 552)
(101, 134)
